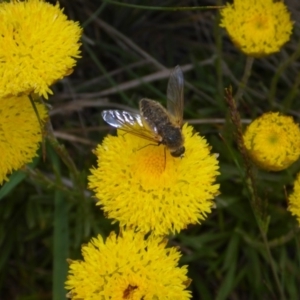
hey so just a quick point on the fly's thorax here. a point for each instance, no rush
(154, 114)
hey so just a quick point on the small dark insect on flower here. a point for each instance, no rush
(127, 292)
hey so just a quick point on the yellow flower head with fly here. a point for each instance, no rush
(155, 176)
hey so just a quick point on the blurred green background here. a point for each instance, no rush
(48, 213)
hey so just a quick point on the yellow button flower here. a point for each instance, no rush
(20, 133)
(128, 267)
(142, 186)
(257, 27)
(273, 141)
(294, 199)
(38, 46)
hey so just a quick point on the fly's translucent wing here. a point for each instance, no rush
(119, 118)
(175, 95)
(130, 123)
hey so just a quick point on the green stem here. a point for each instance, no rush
(105, 73)
(62, 153)
(285, 238)
(280, 70)
(41, 122)
(38, 177)
(94, 15)
(218, 62)
(78, 184)
(280, 241)
(36, 112)
(273, 267)
(245, 78)
(292, 93)
(165, 8)
(60, 238)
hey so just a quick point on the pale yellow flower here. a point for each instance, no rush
(273, 141)
(257, 27)
(294, 199)
(20, 133)
(38, 46)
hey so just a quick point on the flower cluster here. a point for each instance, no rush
(128, 266)
(273, 141)
(151, 194)
(145, 189)
(38, 46)
(257, 27)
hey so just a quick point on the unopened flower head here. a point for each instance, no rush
(257, 27)
(142, 186)
(294, 199)
(20, 133)
(273, 141)
(128, 266)
(38, 46)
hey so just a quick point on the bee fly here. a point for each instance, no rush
(155, 123)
